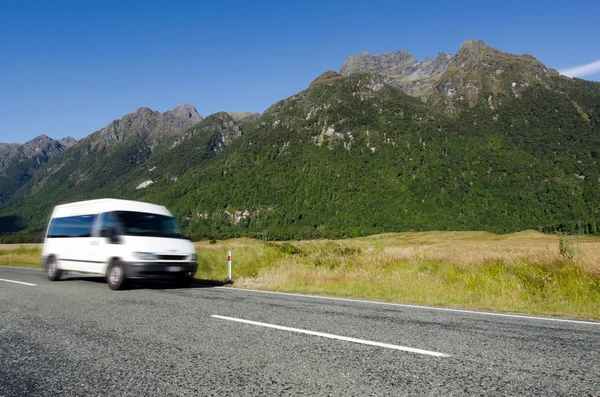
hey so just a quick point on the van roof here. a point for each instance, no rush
(105, 205)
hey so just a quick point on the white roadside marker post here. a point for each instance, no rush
(228, 266)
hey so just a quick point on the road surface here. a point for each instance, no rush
(76, 337)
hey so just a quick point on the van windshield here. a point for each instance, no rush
(146, 224)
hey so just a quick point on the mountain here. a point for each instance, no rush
(198, 145)
(451, 81)
(354, 156)
(357, 153)
(92, 165)
(400, 69)
(19, 162)
(154, 128)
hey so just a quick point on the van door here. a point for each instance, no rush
(93, 263)
(82, 250)
(104, 248)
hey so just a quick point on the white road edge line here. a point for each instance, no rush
(37, 269)
(18, 282)
(338, 337)
(444, 309)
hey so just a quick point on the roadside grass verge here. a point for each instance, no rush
(521, 272)
(526, 272)
(22, 255)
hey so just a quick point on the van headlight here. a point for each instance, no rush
(194, 257)
(145, 256)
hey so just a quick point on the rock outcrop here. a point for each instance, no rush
(475, 68)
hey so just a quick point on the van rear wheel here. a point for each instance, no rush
(115, 276)
(52, 271)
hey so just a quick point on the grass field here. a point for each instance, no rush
(526, 272)
(25, 255)
(522, 272)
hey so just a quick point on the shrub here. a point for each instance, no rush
(565, 247)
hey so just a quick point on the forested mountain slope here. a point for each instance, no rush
(354, 155)
(20, 162)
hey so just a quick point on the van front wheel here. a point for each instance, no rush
(115, 277)
(52, 271)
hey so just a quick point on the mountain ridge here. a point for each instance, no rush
(475, 68)
(20, 162)
(356, 154)
(107, 150)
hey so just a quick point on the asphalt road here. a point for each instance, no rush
(78, 338)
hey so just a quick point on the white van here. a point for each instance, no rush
(119, 239)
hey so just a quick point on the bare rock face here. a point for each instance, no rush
(397, 63)
(221, 127)
(475, 68)
(185, 112)
(154, 126)
(433, 67)
(7, 150)
(400, 69)
(68, 141)
(40, 149)
(42, 145)
(479, 68)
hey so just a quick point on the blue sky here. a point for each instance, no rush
(71, 67)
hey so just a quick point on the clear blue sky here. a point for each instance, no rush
(71, 67)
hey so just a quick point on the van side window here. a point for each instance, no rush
(71, 226)
(107, 221)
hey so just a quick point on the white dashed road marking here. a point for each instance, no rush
(18, 282)
(338, 337)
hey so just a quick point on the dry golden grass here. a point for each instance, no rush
(468, 249)
(25, 255)
(522, 272)
(12, 247)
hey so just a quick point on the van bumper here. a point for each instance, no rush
(159, 270)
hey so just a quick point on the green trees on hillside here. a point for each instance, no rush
(343, 160)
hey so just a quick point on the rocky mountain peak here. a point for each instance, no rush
(477, 55)
(476, 67)
(42, 145)
(479, 68)
(400, 69)
(40, 138)
(68, 141)
(143, 111)
(478, 51)
(188, 112)
(397, 62)
(475, 45)
(148, 123)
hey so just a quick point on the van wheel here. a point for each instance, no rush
(52, 271)
(115, 276)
